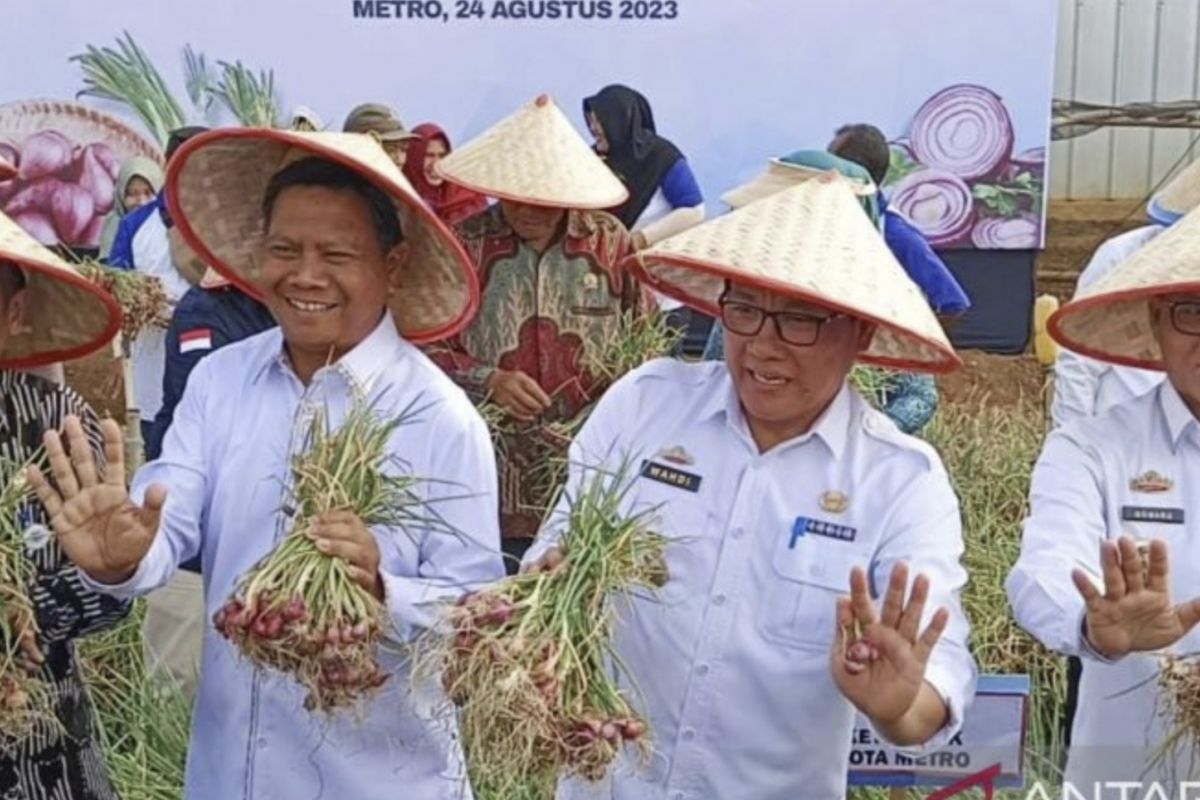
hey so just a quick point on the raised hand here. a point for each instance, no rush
(1134, 613)
(878, 661)
(99, 527)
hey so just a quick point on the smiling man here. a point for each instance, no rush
(553, 286)
(1112, 497)
(781, 491)
(326, 230)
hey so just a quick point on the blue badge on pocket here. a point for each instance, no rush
(805, 526)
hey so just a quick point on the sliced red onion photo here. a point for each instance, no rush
(1031, 160)
(904, 147)
(938, 203)
(965, 130)
(1018, 233)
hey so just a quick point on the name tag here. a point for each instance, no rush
(805, 526)
(1167, 516)
(677, 478)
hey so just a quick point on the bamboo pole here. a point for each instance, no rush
(135, 448)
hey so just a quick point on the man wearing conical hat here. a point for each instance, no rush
(1085, 387)
(796, 514)
(48, 314)
(1108, 569)
(552, 284)
(325, 229)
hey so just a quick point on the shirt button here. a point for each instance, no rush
(738, 533)
(678, 796)
(702, 670)
(689, 735)
(719, 600)
(262, 744)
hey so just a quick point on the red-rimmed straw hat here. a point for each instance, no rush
(67, 316)
(215, 187)
(812, 243)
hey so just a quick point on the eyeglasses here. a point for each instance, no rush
(793, 327)
(1185, 317)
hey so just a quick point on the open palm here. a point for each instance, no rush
(98, 526)
(1134, 613)
(878, 661)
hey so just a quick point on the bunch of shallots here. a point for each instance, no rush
(25, 699)
(1179, 690)
(298, 611)
(529, 661)
(143, 301)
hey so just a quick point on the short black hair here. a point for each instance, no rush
(321, 172)
(866, 146)
(180, 135)
(12, 280)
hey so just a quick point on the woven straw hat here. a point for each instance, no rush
(7, 170)
(1110, 320)
(781, 175)
(67, 315)
(215, 186)
(811, 242)
(1178, 197)
(535, 156)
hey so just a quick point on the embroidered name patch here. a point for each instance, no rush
(805, 526)
(687, 481)
(1168, 516)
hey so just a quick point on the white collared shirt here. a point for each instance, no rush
(1083, 386)
(732, 658)
(223, 463)
(1096, 479)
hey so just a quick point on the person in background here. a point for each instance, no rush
(1108, 571)
(908, 398)
(380, 121)
(664, 197)
(46, 312)
(210, 316)
(814, 551)
(866, 146)
(452, 203)
(552, 287)
(138, 183)
(145, 242)
(305, 120)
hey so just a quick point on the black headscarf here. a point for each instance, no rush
(636, 153)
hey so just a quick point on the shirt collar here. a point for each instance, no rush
(1177, 415)
(832, 427)
(359, 367)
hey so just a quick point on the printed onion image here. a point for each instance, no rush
(938, 203)
(1018, 233)
(964, 130)
(67, 158)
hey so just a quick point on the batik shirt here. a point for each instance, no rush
(539, 314)
(62, 760)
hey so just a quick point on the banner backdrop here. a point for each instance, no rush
(963, 89)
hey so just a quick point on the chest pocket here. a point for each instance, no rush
(691, 549)
(801, 585)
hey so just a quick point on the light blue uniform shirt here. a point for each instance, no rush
(224, 461)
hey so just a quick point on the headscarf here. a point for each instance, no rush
(451, 202)
(136, 167)
(636, 153)
(825, 161)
